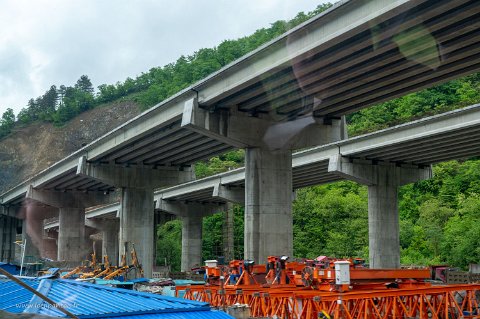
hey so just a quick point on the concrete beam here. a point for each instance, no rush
(323, 31)
(240, 130)
(99, 212)
(72, 199)
(367, 173)
(186, 209)
(230, 194)
(138, 177)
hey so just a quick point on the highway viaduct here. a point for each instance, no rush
(412, 148)
(289, 94)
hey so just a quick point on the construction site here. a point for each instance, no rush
(80, 238)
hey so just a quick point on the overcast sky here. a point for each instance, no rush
(45, 42)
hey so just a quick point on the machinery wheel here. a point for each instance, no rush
(307, 276)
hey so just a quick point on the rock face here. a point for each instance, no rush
(31, 149)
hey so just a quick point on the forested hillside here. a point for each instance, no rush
(440, 218)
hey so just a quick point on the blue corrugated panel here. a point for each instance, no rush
(95, 301)
(14, 298)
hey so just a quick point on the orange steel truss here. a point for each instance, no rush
(422, 302)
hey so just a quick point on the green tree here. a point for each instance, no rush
(169, 244)
(7, 122)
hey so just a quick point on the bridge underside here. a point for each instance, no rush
(419, 44)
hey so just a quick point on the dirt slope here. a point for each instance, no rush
(32, 148)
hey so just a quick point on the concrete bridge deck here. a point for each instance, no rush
(454, 135)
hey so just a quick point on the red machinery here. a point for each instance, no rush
(329, 288)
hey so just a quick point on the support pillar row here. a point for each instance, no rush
(383, 181)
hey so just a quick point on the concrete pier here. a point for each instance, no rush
(33, 216)
(191, 242)
(71, 207)
(383, 181)
(110, 240)
(268, 204)
(8, 233)
(136, 202)
(191, 215)
(136, 225)
(228, 232)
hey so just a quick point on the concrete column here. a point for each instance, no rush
(71, 235)
(50, 248)
(33, 231)
(71, 205)
(268, 204)
(137, 206)
(136, 225)
(192, 215)
(228, 233)
(191, 241)
(383, 181)
(8, 233)
(383, 224)
(110, 241)
(34, 246)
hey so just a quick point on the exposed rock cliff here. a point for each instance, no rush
(30, 149)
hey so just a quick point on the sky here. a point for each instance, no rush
(46, 42)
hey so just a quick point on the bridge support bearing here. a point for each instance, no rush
(268, 204)
(383, 181)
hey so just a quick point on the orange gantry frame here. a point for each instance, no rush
(304, 290)
(429, 302)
